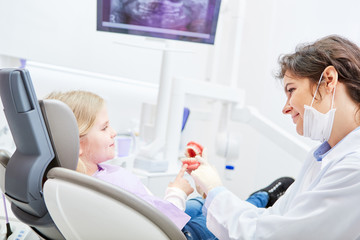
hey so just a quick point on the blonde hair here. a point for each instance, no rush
(85, 106)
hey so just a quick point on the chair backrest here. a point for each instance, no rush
(84, 207)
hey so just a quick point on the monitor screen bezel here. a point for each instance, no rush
(170, 34)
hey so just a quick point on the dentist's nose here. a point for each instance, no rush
(287, 108)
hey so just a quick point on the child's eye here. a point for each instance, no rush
(105, 128)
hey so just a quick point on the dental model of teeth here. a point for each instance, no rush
(192, 150)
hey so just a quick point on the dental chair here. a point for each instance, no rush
(43, 187)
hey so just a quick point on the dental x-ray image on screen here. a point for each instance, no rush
(187, 20)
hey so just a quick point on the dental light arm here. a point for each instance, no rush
(252, 117)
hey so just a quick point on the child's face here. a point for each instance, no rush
(98, 144)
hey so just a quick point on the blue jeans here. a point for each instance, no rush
(259, 199)
(196, 228)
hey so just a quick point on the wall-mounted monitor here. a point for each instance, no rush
(186, 20)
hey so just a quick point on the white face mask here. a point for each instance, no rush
(317, 125)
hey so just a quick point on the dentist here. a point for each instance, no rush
(322, 84)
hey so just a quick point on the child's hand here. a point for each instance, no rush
(181, 183)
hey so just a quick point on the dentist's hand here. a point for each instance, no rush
(205, 177)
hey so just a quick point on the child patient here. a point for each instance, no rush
(97, 146)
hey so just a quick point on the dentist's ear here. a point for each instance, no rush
(331, 78)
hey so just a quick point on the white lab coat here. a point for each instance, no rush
(322, 203)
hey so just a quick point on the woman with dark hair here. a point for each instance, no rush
(322, 84)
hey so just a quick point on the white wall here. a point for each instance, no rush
(268, 28)
(271, 28)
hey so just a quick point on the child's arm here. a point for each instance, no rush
(179, 189)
